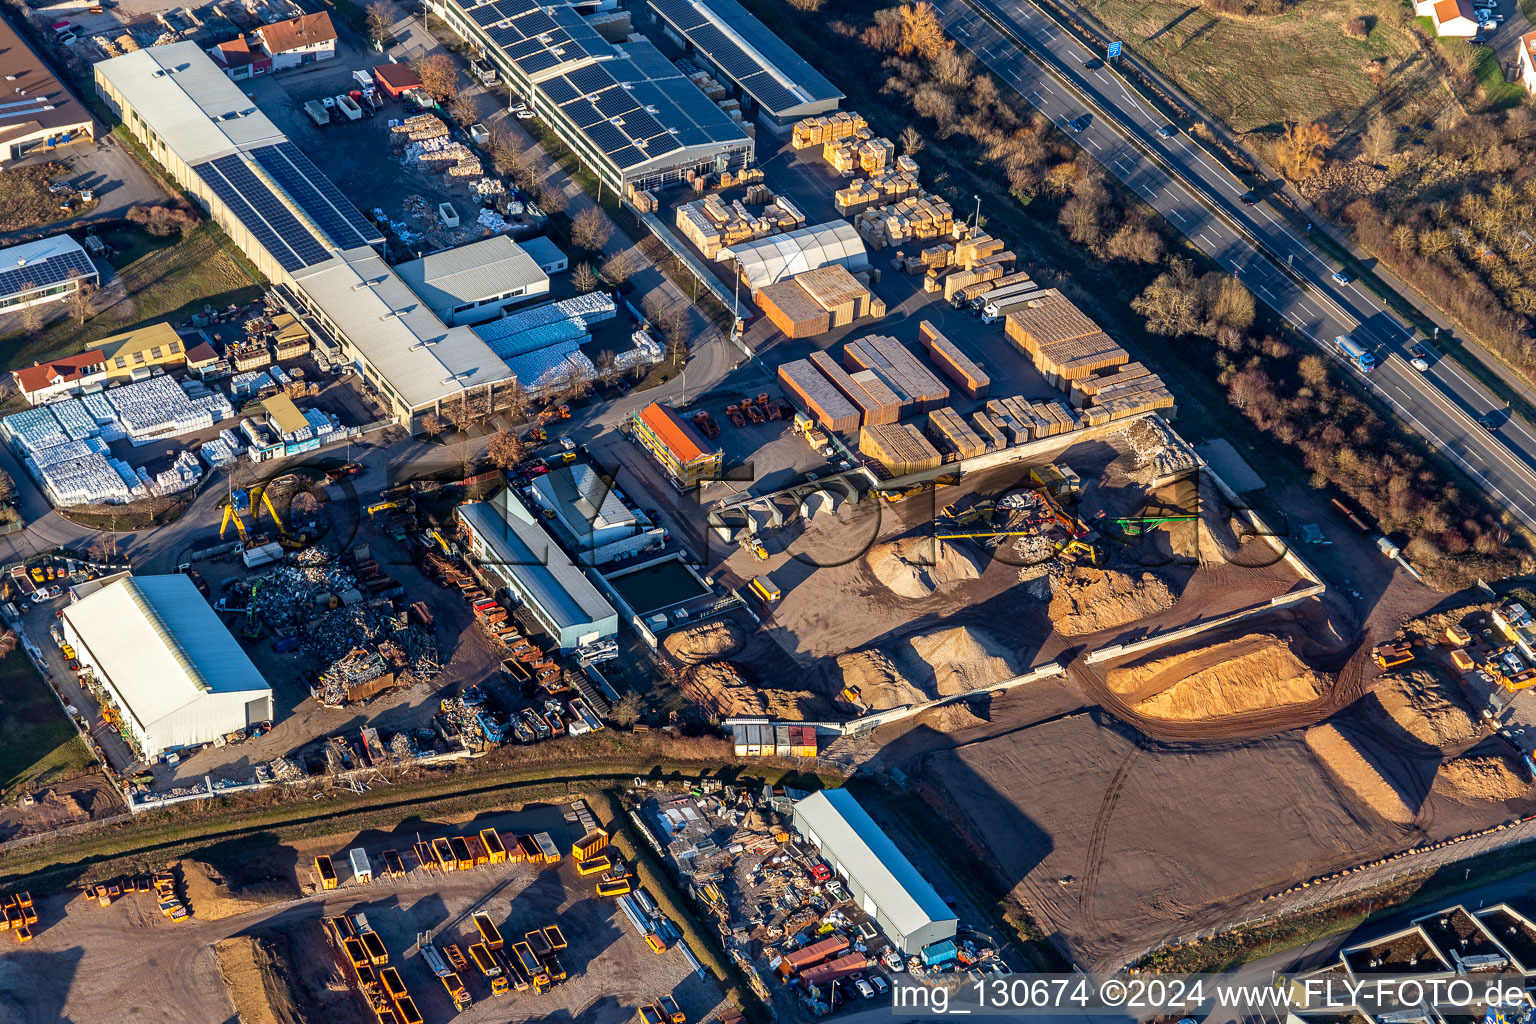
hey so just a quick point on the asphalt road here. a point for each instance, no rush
(1443, 404)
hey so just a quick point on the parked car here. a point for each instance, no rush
(864, 989)
(880, 984)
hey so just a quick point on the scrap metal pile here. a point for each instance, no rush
(368, 648)
(285, 595)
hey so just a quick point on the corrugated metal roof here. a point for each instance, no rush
(183, 96)
(584, 498)
(520, 546)
(544, 251)
(472, 272)
(162, 646)
(867, 853)
(422, 358)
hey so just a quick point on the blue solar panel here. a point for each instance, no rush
(264, 235)
(560, 91)
(317, 196)
(54, 270)
(591, 79)
(263, 214)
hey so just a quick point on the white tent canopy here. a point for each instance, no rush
(767, 260)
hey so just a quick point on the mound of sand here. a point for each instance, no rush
(721, 686)
(915, 567)
(1483, 777)
(213, 898)
(1235, 677)
(880, 684)
(1427, 707)
(1088, 600)
(253, 976)
(955, 717)
(1350, 768)
(703, 643)
(958, 660)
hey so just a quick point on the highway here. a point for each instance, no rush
(1257, 245)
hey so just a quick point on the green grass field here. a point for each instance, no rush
(165, 279)
(1258, 74)
(37, 742)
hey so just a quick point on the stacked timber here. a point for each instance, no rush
(1130, 390)
(821, 401)
(963, 279)
(817, 131)
(899, 367)
(973, 251)
(915, 218)
(815, 301)
(949, 430)
(875, 154)
(880, 392)
(791, 310)
(872, 411)
(980, 288)
(899, 448)
(1063, 343)
(956, 365)
(988, 431)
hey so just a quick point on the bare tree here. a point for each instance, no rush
(591, 229)
(607, 366)
(671, 319)
(626, 712)
(80, 298)
(619, 268)
(380, 17)
(506, 450)
(103, 547)
(457, 412)
(583, 277)
(550, 198)
(433, 424)
(912, 142)
(31, 316)
(507, 153)
(518, 401)
(439, 75)
(1379, 141)
(463, 109)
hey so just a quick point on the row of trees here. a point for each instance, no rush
(1298, 399)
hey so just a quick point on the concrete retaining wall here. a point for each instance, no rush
(868, 723)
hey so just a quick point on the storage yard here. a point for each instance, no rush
(260, 938)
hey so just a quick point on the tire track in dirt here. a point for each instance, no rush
(1095, 856)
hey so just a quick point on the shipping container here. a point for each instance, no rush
(424, 856)
(798, 960)
(842, 967)
(362, 871)
(591, 844)
(374, 947)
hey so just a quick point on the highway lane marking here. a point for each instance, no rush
(1094, 142)
(1207, 241)
(1176, 213)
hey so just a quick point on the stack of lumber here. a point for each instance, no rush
(709, 86)
(914, 218)
(980, 288)
(843, 155)
(877, 190)
(1020, 421)
(899, 448)
(949, 430)
(899, 368)
(879, 391)
(821, 401)
(816, 131)
(419, 127)
(872, 410)
(785, 213)
(1130, 390)
(906, 165)
(975, 250)
(875, 155)
(963, 279)
(711, 225)
(988, 431)
(1063, 342)
(815, 301)
(956, 365)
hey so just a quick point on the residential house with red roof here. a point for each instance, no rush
(41, 382)
(307, 39)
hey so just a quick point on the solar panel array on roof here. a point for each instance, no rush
(57, 268)
(536, 39)
(759, 61)
(258, 208)
(314, 193)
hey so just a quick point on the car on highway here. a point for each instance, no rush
(1419, 363)
(1339, 277)
(1080, 122)
(1093, 64)
(1168, 131)
(1488, 422)
(1250, 198)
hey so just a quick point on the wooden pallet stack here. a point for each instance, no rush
(902, 371)
(1129, 390)
(949, 430)
(1062, 341)
(980, 288)
(821, 401)
(817, 131)
(899, 448)
(872, 410)
(915, 218)
(954, 364)
(959, 280)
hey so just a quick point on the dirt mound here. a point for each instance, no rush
(1350, 768)
(253, 975)
(721, 686)
(1235, 677)
(1089, 599)
(61, 807)
(703, 643)
(1483, 777)
(955, 717)
(957, 660)
(915, 567)
(879, 683)
(213, 898)
(1422, 703)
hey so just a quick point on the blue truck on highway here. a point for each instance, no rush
(1356, 353)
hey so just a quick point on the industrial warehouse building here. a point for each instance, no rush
(513, 549)
(764, 261)
(47, 270)
(38, 114)
(600, 526)
(878, 875)
(296, 227)
(626, 111)
(731, 44)
(176, 675)
(476, 282)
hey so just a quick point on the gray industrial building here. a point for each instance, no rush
(473, 283)
(514, 549)
(599, 525)
(877, 874)
(625, 110)
(731, 44)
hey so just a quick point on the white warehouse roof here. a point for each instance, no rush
(868, 854)
(169, 659)
(491, 267)
(422, 358)
(767, 260)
